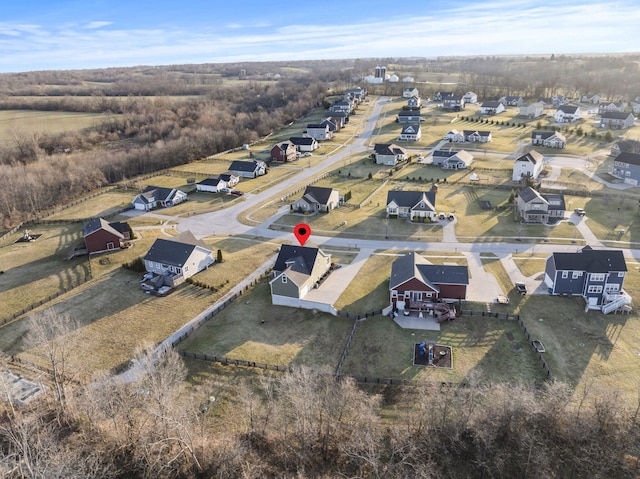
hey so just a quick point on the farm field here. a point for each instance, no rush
(27, 122)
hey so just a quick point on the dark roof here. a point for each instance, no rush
(413, 265)
(444, 94)
(615, 115)
(591, 260)
(319, 193)
(101, 224)
(120, 226)
(408, 199)
(556, 202)
(388, 149)
(570, 109)
(302, 140)
(174, 251)
(444, 153)
(212, 181)
(300, 258)
(630, 158)
(226, 176)
(528, 194)
(490, 104)
(317, 125)
(542, 134)
(454, 97)
(411, 127)
(408, 113)
(239, 165)
(158, 193)
(478, 132)
(511, 98)
(632, 146)
(532, 157)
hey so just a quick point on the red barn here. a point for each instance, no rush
(415, 282)
(99, 235)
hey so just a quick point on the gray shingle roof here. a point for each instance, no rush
(299, 258)
(629, 158)
(239, 165)
(409, 199)
(569, 109)
(531, 157)
(320, 194)
(615, 115)
(174, 251)
(98, 224)
(591, 260)
(413, 265)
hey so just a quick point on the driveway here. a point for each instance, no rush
(483, 286)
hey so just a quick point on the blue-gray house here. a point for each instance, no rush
(596, 275)
(626, 166)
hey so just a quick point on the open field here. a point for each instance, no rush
(288, 336)
(102, 205)
(28, 122)
(613, 220)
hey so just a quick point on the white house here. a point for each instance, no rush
(567, 114)
(155, 197)
(181, 256)
(409, 92)
(470, 97)
(528, 165)
(411, 133)
(491, 108)
(215, 184)
(389, 154)
(454, 136)
(458, 161)
(532, 110)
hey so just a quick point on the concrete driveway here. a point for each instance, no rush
(483, 286)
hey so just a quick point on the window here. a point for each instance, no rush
(597, 276)
(417, 296)
(594, 289)
(284, 279)
(576, 274)
(428, 294)
(394, 294)
(110, 245)
(611, 288)
(565, 274)
(621, 274)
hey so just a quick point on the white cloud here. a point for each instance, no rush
(93, 25)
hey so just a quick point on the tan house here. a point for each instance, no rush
(298, 269)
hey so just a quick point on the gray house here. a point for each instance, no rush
(409, 116)
(548, 139)
(453, 103)
(248, 169)
(298, 269)
(317, 198)
(596, 275)
(616, 120)
(389, 154)
(626, 166)
(534, 207)
(417, 205)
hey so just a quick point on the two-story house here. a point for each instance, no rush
(534, 207)
(453, 103)
(610, 106)
(567, 114)
(491, 108)
(528, 165)
(626, 166)
(284, 152)
(596, 275)
(616, 120)
(417, 205)
(411, 132)
(389, 154)
(511, 100)
(532, 110)
(410, 92)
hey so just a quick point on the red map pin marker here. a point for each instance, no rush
(302, 232)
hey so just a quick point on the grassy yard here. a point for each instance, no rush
(102, 205)
(497, 349)
(288, 336)
(617, 220)
(530, 265)
(29, 122)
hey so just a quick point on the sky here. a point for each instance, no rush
(81, 34)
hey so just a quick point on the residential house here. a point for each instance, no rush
(610, 106)
(99, 235)
(410, 92)
(157, 197)
(626, 166)
(319, 131)
(298, 269)
(470, 97)
(593, 99)
(284, 152)
(548, 139)
(534, 207)
(616, 120)
(357, 93)
(635, 107)
(409, 116)
(335, 123)
(231, 179)
(408, 80)
(304, 143)
(214, 184)
(248, 169)
(596, 275)
(491, 108)
(532, 110)
(528, 165)
(567, 114)
(411, 132)
(178, 258)
(393, 78)
(512, 100)
(441, 95)
(459, 161)
(345, 106)
(453, 103)
(477, 136)
(417, 205)
(389, 154)
(316, 198)
(454, 136)
(630, 146)
(554, 102)
(415, 284)
(439, 156)
(341, 117)
(414, 103)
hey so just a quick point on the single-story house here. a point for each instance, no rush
(534, 207)
(458, 161)
(470, 97)
(99, 235)
(411, 132)
(409, 116)
(248, 169)
(415, 283)
(477, 136)
(411, 204)
(317, 198)
(304, 143)
(410, 92)
(284, 152)
(438, 156)
(528, 165)
(319, 131)
(512, 100)
(616, 120)
(389, 154)
(596, 275)
(454, 136)
(626, 166)
(454, 103)
(213, 184)
(156, 197)
(532, 110)
(567, 114)
(548, 139)
(610, 106)
(298, 269)
(491, 108)
(178, 258)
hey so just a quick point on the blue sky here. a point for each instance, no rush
(69, 34)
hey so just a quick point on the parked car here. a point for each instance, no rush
(521, 288)
(224, 190)
(451, 217)
(441, 216)
(580, 211)
(236, 192)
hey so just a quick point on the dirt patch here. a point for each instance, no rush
(441, 357)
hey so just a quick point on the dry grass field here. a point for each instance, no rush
(28, 122)
(102, 205)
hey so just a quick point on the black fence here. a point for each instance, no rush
(489, 314)
(543, 363)
(233, 362)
